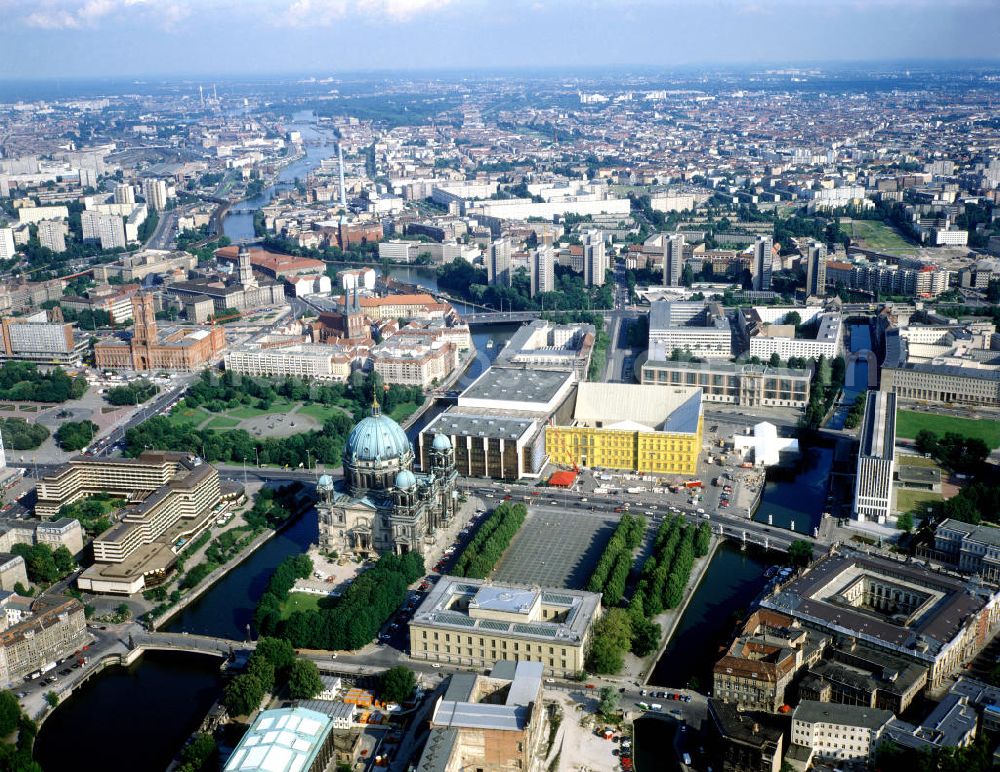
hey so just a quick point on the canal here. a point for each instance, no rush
(130, 718)
(732, 582)
(797, 503)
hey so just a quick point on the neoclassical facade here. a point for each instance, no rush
(382, 505)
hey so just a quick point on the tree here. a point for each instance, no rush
(63, 559)
(242, 695)
(793, 318)
(74, 435)
(398, 684)
(607, 701)
(10, 712)
(905, 522)
(926, 441)
(304, 681)
(199, 754)
(278, 652)
(52, 699)
(800, 552)
(775, 360)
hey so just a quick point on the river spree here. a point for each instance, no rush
(132, 718)
(732, 582)
(227, 608)
(238, 223)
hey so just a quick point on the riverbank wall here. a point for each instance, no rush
(700, 569)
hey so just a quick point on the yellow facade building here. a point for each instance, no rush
(631, 427)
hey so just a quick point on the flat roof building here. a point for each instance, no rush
(473, 622)
(941, 383)
(543, 344)
(843, 733)
(699, 328)
(873, 484)
(733, 383)
(631, 427)
(172, 498)
(928, 617)
(488, 722)
(518, 388)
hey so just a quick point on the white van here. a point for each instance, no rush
(656, 706)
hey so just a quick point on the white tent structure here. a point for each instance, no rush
(764, 444)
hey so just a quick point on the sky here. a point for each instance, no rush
(144, 38)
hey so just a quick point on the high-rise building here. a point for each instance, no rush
(6, 243)
(498, 262)
(90, 223)
(542, 268)
(762, 250)
(815, 269)
(673, 260)
(155, 192)
(111, 231)
(124, 194)
(873, 489)
(52, 235)
(595, 259)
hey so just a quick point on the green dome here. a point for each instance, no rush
(376, 438)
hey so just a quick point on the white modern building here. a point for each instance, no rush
(498, 259)
(155, 193)
(51, 235)
(6, 243)
(595, 259)
(541, 262)
(698, 328)
(873, 488)
(307, 360)
(763, 249)
(819, 332)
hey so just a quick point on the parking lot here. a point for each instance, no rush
(556, 548)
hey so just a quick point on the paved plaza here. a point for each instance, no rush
(556, 548)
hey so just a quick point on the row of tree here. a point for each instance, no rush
(611, 572)
(491, 540)
(18, 434)
(24, 382)
(348, 622)
(827, 381)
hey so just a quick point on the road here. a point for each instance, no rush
(163, 236)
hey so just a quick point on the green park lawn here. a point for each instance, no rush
(909, 422)
(278, 406)
(299, 601)
(878, 235)
(320, 412)
(181, 416)
(907, 499)
(401, 412)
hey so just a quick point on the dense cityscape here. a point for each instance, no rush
(636, 419)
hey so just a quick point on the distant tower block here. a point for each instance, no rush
(3, 454)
